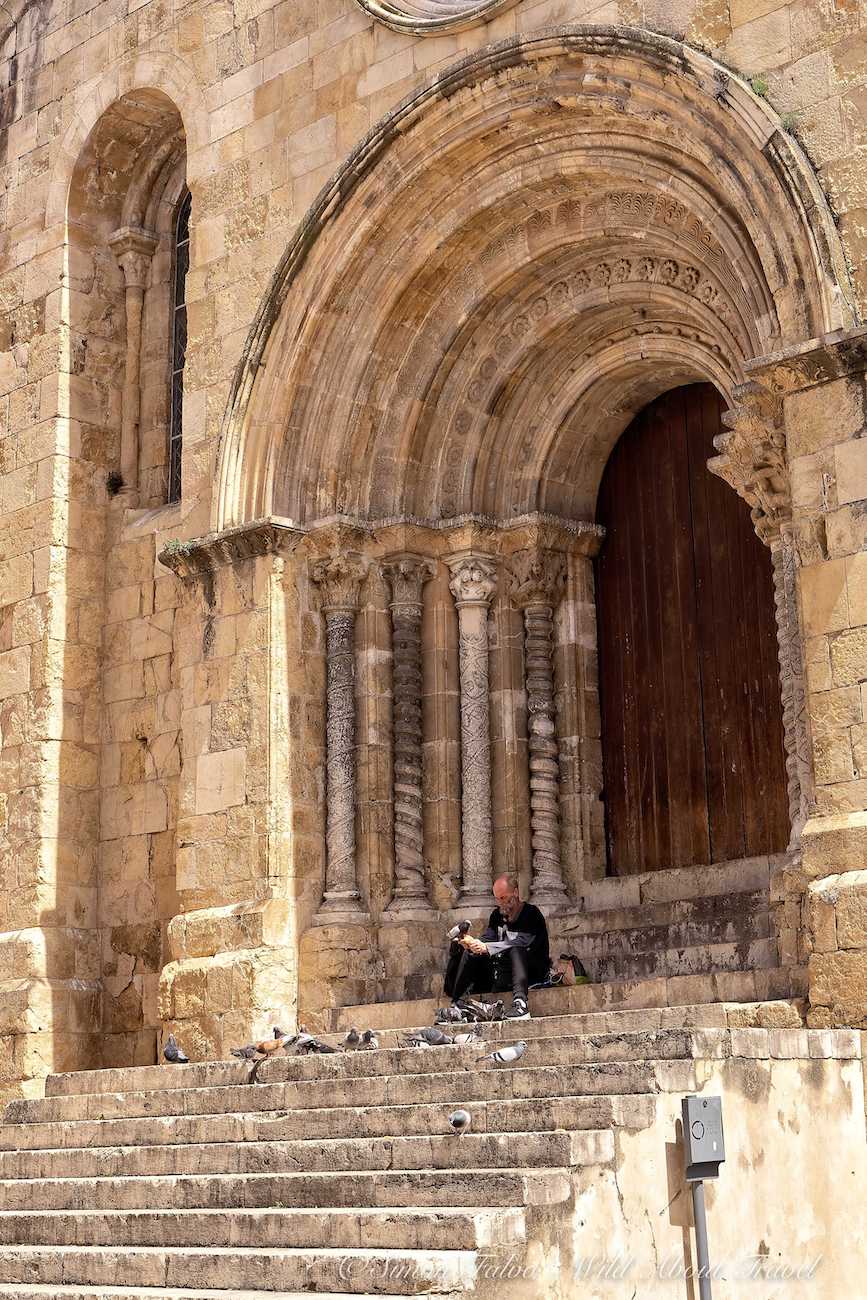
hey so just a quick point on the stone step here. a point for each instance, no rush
(634, 1111)
(703, 915)
(482, 1083)
(760, 954)
(424, 1188)
(632, 931)
(438, 1151)
(23, 1291)
(440, 1228)
(233, 1268)
(547, 1049)
(687, 993)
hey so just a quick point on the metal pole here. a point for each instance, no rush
(701, 1252)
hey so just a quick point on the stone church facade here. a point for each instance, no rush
(320, 322)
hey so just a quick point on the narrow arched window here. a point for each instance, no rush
(179, 342)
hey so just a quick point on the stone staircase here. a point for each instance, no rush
(339, 1174)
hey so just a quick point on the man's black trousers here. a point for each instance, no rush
(468, 973)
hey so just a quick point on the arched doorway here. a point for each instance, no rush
(692, 730)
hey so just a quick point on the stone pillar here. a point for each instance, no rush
(133, 249)
(339, 578)
(406, 575)
(472, 584)
(538, 581)
(753, 461)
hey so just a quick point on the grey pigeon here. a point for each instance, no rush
(352, 1039)
(507, 1055)
(174, 1055)
(369, 1040)
(431, 1037)
(460, 1121)
(466, 1037)
(458, 931)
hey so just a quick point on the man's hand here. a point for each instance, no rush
(473, 945)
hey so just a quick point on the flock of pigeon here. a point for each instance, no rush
(304, 1044)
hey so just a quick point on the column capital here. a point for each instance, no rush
(538, 577)
(753, 457)
(134, 247)
(406, 574)
(339, 579)
(474, 577)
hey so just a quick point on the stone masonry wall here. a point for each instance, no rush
(138, 738)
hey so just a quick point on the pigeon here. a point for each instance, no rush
(259, 1052)
(369, 1041)
(432, 1037)
(460, 1121)
(174, 1054)
(352, 1039)
(309, 1045)
(458, 931)
(506, 1055)
(466, 1037)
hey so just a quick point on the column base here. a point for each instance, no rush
(341, 907)
(550, 900)
(408, 907)
(472, 905)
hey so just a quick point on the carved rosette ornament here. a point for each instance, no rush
(753, 461)
(473, 582)
(538, 582)
(406, 576)
(339, 579)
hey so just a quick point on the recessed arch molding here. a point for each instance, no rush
(520, 255)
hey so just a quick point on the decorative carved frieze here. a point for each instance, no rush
(406, 575)
(538, 582)
(472, 583)
(192, 558)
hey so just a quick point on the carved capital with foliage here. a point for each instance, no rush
(339, 579)
(538, 577)
(753, 458)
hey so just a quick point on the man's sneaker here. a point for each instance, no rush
(518, 1010)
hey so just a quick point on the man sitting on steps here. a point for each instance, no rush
(512, 952)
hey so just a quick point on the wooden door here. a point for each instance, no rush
(692, 733)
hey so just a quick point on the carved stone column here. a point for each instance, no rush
(753, 462)
(133, 249)
(472, 584)
(538, 582)
(406, 575)
(339, 579)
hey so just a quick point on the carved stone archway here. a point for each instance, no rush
(513, 263)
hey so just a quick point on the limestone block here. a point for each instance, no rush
(849, 657)
(220, 780)
(15, 671)
(839, 981)
(830, 845)
(832, 758)
(851, 470)
(851, 909)
(824, 597)
(827, 413)
(821, 914)
(856, 587)
(239, 926)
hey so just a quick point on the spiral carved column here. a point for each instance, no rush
(406, 575)
(472, 584)
(339, 579)
(538, 582)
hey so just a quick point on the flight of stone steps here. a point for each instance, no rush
(336, 1174)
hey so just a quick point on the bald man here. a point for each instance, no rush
(512, 952)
